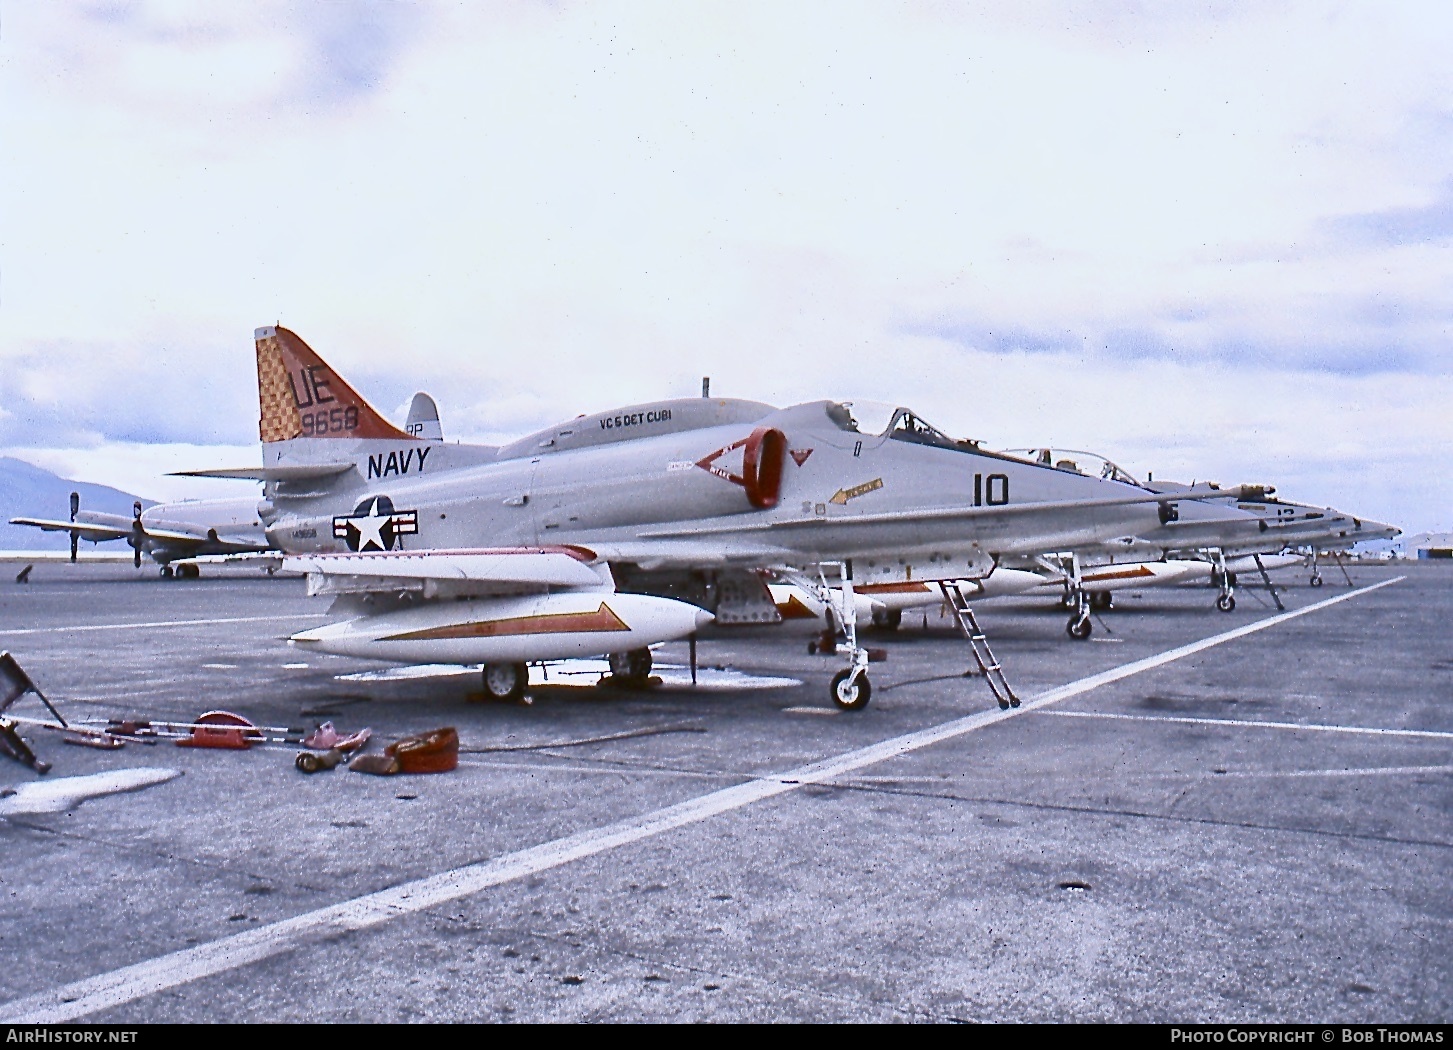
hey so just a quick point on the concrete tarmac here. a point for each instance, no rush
(1256, 830)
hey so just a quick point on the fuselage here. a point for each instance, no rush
(799, 486)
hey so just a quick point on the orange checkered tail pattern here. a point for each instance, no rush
(301, 397)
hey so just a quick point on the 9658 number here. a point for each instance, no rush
(331, 421)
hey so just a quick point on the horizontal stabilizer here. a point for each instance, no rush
(282, 472)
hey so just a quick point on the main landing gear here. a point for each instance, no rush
(505, 681)
(887, 619)
(631, 669)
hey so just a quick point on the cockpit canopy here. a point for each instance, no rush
(1075, 461)
(878, 419)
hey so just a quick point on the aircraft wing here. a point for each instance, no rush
(174, 536)
(944, 514)
(485, 571)
(262, 559)
(94, 533)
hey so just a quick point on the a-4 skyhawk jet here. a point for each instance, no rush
(614, 531)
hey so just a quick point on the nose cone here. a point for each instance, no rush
(703, 618)
(1377, 530)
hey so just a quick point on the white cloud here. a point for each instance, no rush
(538, 210)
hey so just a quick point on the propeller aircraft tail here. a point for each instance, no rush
(423, 422)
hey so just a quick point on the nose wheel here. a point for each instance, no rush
(1079, 627)
(851, 692)
(1225, 579)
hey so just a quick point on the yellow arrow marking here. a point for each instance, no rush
(842, 496)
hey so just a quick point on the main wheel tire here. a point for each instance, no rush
(633, 667)
(505, 681)
(853, 697)
(1079, 628)
(1102, 600)
(1226, 602)
(887, 619)
(188, 572)
(167, 572)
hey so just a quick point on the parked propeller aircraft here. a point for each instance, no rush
(176, 534)
(617, 530)
(166, 532)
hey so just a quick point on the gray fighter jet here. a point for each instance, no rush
(1244, 530)
(617, 530)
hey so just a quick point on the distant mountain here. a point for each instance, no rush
(29, 491)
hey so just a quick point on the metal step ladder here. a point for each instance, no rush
(989, 665)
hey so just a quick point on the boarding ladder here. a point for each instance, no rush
(989, 665)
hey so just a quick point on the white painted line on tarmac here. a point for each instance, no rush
(1256, 724)
(129, 983)
(1375, 771)
(618, 771)
(156, 623)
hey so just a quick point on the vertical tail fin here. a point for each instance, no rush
(299, 396)
(423, 422)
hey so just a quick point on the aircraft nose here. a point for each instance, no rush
(703, 618)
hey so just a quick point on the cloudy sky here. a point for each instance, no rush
(1208, 240)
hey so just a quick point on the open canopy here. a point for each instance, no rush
(879, 419)
(1075, 461)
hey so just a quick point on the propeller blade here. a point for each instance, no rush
(138, 534)
(75, 542)
(75, 505)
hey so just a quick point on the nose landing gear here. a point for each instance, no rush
(1077, 599)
